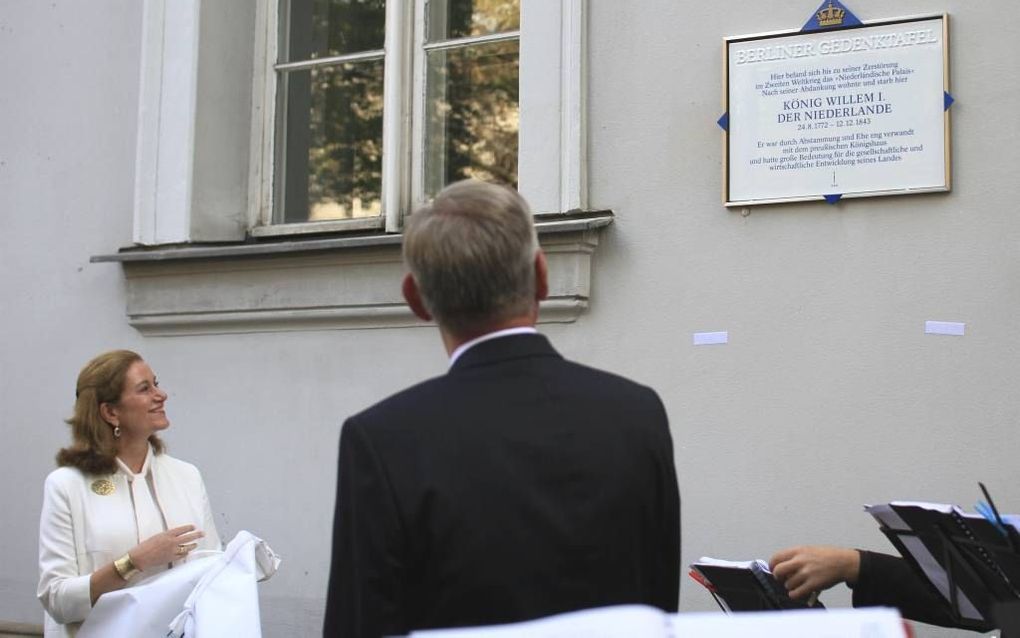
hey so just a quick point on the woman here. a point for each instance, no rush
(117, 509)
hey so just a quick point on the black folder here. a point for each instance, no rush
(744, 586)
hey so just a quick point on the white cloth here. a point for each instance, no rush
(523, 330)
(641, 621)
(147, 607)
(210, 595)
(81, 530)
(225, 602)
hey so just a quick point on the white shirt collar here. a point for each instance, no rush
(523, 330)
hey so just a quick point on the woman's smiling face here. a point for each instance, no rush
(140, 410)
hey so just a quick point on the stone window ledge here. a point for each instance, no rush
(18, 629)
(319, 284)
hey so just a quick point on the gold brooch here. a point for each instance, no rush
(102, 487)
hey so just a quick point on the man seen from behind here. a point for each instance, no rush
(518, 484)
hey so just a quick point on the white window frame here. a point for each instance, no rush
(166, 122)
(176, 201)
(552, 160)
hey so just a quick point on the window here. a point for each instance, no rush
(330, 104)
(471, 108)
(209, 154)
(337, 117)
(344, 115)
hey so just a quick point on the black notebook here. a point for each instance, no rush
(745, 586)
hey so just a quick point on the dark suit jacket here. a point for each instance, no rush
(516, 486)
(890, 581)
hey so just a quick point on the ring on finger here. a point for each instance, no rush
(185, 548)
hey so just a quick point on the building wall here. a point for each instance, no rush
(828, 396)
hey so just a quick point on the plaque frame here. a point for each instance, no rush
(863, 27)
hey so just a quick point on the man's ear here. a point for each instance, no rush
(541, 276)
(413, 297)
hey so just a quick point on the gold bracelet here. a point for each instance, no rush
(125, 567)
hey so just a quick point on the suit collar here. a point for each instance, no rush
(517, 346)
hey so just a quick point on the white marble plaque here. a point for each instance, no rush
(848, 112)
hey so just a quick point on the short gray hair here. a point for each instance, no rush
(472, 254)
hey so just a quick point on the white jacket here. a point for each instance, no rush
(82, 529)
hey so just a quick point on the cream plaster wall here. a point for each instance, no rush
(828, 396)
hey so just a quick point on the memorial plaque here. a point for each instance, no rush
(839, 112)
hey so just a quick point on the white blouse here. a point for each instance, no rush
(90, 521)
(149, 519)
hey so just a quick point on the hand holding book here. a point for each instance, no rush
(745, 586)
(958, 569)
(808, 569)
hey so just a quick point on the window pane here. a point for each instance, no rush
(449, 19)
(324, 28)
(331, 143)
(471, 115)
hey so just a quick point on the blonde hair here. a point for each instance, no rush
(93, 448)
(472, 254)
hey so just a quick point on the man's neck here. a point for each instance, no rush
(452, 341)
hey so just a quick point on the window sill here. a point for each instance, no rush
(19, 629)
(317, 284)
(312, 228)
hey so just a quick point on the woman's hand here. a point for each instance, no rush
(812, 568)
(166, 547)
(161, 549)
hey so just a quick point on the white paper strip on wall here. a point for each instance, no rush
(710, 338)
(954, 328)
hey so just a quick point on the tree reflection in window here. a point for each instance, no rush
(472, 93)
(329, 131)
(330, 107)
